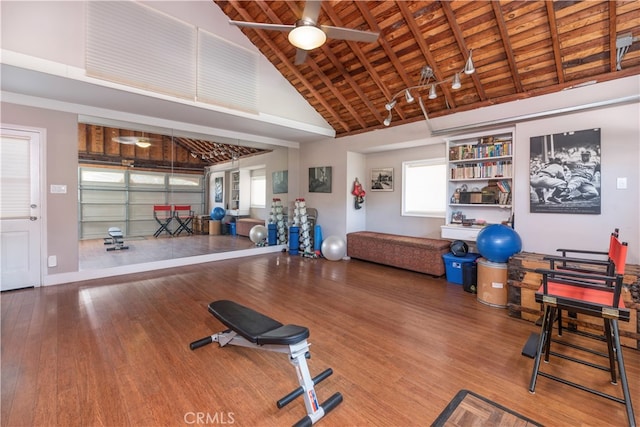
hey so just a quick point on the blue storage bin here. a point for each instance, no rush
(453, 266)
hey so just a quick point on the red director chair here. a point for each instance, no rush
(594, 295)
(184, 215)
(163, 216)
(613, 264)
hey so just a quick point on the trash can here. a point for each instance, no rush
(492, 283)
(470, 277)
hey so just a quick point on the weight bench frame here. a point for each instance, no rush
(115, 239)
(249, 328)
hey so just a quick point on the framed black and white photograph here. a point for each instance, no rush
(564, 173)
(280, 182)
(320, 179)
(382, 179)
(218, 189)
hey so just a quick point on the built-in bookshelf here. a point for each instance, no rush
(480, 184)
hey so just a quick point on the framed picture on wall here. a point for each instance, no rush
(382, 179)
(564, 173)
(217, 190)
(280, 182)
(320, 179)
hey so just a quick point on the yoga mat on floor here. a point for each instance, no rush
(470, 409)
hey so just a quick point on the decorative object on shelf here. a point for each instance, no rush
(382, 179)
(333, 248)
(498, 242)
(320, 179)
(428, 80)
(358, 193)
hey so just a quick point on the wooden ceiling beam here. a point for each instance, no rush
(506, 43)
(613, 35)
(424, 48)
(388, 50)
(357, 51)
(553, 30)
(323, 77)
(290, 66)
(462, 45)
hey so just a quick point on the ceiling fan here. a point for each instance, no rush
(140, 141)
(306, 34)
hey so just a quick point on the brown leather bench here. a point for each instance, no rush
(244, 225)
(419, 254)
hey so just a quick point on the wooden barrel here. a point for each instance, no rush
(492, 283)
(215, 227)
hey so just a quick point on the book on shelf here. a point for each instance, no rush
(497, 148)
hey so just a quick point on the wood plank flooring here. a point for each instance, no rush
(115, 351)
(93, 253)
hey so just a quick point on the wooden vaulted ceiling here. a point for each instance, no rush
(520, 49)
(97, 146)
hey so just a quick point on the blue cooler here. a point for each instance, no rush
(453, 265)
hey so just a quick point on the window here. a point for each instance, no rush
(258, 191)
(424, 188)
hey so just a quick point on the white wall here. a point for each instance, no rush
(356, 168)
(543, 233)
(620, 146)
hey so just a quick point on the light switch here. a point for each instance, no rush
(58, 189)
(621, 183)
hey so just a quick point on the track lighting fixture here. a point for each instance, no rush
(456, 81)
(469, 67)
(408, 96)
(387, 121)
(432, 92)
(427, 80)
(390, 105)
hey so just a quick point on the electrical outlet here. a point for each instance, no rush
(621, 183)
(52, 261)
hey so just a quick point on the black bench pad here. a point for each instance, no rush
(256, 327)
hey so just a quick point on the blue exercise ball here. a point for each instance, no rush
(498, 242)
(218, 213)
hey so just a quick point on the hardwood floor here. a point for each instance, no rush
(93, 253)
(115, 351)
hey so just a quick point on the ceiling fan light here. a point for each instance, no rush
(143, 144)
(432, 92)
(387, 121)
(456, 82)
(408, 96)
(307, 36)
(469, 68)
(390, 105)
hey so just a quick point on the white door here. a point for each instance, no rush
(19, 209)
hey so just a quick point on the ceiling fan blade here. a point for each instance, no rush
(311, 11)
(260, 26)
(301, 56)
(349, 34)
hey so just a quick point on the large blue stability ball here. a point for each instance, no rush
(498, 242)
(218, 213)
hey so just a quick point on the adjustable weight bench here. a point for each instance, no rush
(115, 239)
(249, 328)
